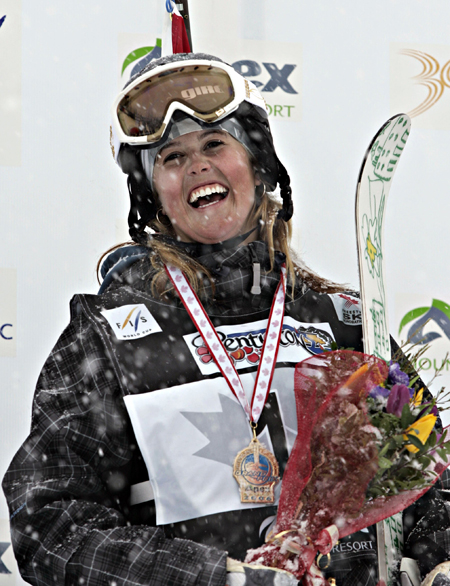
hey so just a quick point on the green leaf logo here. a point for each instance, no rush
(138, 54)
(438, 312)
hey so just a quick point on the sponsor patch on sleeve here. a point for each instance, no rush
(131, 321)
(347, 307)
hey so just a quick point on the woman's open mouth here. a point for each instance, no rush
(207, 195)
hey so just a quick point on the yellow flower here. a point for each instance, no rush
(417, 399)
(422, 428)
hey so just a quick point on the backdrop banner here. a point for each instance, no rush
(10, 82)
(331, 74)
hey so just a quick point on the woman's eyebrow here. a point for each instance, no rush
(176, 143)
(211, 131)
(173, 143)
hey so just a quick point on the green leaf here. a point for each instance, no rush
(442, 453)
(399, 440)
(432, 439)
(407, 417)
(415, 441)
(425, 461)
(384, 449)
(384, 463)
(413, 381)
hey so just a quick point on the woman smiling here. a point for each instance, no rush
(162, 423)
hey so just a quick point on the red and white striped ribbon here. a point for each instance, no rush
(218, 352)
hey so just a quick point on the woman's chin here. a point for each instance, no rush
(212, 236)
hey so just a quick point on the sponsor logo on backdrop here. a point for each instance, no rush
(11, 77)
(434, 77)
(278, 80)
(129, 322)
(5, 329)
(429, 325)
(3, 547)
(141, 57)
(8, 566)
(244, 343)
(8, 312)
(420, 83)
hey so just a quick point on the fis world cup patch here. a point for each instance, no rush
(347, 307)
(129, 322)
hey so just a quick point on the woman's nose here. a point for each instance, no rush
(198, 164)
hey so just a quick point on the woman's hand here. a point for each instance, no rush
(241, 574)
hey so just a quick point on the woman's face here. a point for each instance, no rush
(206, 186)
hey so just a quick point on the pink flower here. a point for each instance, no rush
(398, 398)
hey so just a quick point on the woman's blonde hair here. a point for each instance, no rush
(275, 232)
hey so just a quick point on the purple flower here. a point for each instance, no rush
(379, 393)
(434, 410)
(397, 376)
(398, 398)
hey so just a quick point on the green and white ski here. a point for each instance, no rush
(374, 183)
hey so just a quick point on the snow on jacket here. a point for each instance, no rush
(81, 505)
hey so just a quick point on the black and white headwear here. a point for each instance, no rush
(184, 93)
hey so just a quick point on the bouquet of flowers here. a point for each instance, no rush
(366, 449)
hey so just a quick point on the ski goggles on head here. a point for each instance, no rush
(206, 90)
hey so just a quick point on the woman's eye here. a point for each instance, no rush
(172, 157)
(213, 143)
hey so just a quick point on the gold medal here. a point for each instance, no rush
(255, 468)
(256, 472)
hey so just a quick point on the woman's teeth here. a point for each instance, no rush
(211, 193)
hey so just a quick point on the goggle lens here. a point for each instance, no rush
(202, 88)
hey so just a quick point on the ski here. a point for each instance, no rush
(374, 183)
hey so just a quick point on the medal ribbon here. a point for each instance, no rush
(217, 350)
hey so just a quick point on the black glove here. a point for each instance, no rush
(240, 574)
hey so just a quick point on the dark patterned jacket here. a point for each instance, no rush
(72, 486)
